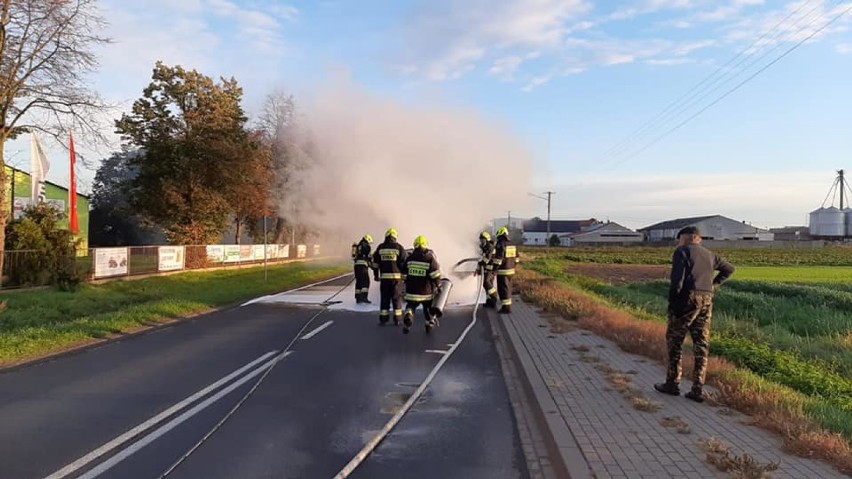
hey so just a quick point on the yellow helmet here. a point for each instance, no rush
(484, 235)
(421, 242)
(391, 233)
(368, 238)
(503, 231)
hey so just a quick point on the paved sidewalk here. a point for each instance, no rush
(586, 388)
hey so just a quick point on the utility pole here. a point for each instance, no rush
(548, 198)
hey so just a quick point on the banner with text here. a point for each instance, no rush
(170, 258)
(110, 262)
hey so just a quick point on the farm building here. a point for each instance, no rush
(714, 227)
(535, 230)
(791, 233)
(608, 233)
(18, 197)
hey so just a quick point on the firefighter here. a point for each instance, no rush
(485, 267)
(390, 260)
(362, 269)
(422, 274)
(505, 256)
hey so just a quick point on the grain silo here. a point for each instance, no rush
(833, 222)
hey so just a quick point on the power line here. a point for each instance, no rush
(735, 88)
(613, 152)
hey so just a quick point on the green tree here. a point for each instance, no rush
(554, 241)
(195, 153)
(47, 252)
(46, 52)
(252, 202)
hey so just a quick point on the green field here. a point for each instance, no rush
(832, 256)
(42, 321)
(790, 324)
(838, 276)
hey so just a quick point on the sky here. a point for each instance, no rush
(635, 111)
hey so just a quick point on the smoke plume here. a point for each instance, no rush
(435, 171)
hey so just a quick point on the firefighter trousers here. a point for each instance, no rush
(362, 281)
(391, 296)
(488, 285)
(411, 307)
(504, 289)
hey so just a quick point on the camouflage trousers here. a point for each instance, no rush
(693, 317)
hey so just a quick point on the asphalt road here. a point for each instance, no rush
(133, 408)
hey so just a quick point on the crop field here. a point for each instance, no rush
(786, 315)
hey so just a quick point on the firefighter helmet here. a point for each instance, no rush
(391, 233)
(503, 231)
(421, 242)
(484, 235)
(368, 238)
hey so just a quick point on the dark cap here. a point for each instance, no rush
(689, 230)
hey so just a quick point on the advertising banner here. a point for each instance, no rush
(216, 253)
(301, 251)
(110, 262)
(170, 258)
(232, 253)
(316, 250)
(257, 252)
(283, 251)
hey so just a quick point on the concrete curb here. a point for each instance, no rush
(565, 452)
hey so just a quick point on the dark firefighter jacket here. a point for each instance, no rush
(422, 275)
(505, 256)
(486, 256)
(390, 258)
(362, 256)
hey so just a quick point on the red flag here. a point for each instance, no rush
(73, 223)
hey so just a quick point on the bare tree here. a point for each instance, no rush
(46, 52)
(279, 122)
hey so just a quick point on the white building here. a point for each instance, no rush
(715, 227)
(535, 230)
(608, 233)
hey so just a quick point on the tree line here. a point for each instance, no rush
(194, 168)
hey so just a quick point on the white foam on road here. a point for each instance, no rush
(463, 294)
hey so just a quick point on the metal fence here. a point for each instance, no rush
(29, 268)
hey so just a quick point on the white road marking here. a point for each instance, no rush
(436, 351)
(118, 441)
(136, 446)
(317, 330)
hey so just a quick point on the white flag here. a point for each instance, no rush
(38, 172)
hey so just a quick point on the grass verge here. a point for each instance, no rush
(810, 426)
(41, 322)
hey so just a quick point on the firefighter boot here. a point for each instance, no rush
(407, 320)
(490, 302)
(431, 323)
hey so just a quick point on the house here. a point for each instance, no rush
(18, 198)
(791, 233)
(608, 233)
(714, 227)
(535, 230)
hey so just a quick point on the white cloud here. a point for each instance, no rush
(687, 48)
(465, 33)
(668, 62)
(537, 82)
(506, 66)
(844, 48)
